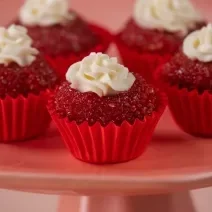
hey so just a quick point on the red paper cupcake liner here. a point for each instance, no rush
(110, 144)
(22, 118)
(61, 63)
(191, 111)
(142, 63)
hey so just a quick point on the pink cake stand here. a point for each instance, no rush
(174, 162)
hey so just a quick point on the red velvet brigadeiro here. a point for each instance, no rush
(25, 80)
(187, 80)
(62, 35)
(105, 113)
(154, 33)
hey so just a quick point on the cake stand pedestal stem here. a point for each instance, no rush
(152, 203)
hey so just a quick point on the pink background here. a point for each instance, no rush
(111, 14)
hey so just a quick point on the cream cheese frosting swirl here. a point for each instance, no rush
(170, 15)
(15, 46)
(45, 12)
(198, 44)
(100, 74)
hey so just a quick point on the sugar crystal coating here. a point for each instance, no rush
(136, 103)
(187, 73)
(149, 40)
(16, 80)
(71, 37)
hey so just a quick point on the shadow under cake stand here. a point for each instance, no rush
(174, 162)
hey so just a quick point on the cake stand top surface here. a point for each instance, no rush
(173, 161)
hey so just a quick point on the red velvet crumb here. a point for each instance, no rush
(72, 37)
(16, 80)
(138, 102)
(187, 73)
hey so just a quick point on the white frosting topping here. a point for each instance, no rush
(100, 74)
(15, 46)
(170, 15)
(198, 45)
(45, 12)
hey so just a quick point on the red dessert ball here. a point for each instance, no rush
(187, 80)
(137, 103)
(25, 83)
(149, 40)
(105, 113)
(65, 42)
(74, 36)
(154, 34)
(186, 73)
(16, 80)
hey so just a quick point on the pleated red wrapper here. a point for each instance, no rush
(191, 110)
(108, 144)
(22, 118)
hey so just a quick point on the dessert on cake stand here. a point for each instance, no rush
(174, 162)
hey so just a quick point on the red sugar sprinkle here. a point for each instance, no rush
(138, 102)
(187, 73)
(74, 36)
(16, 80)
(148, 40)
